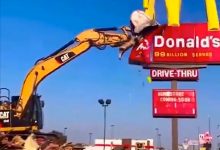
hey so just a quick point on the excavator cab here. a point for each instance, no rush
(32, 120)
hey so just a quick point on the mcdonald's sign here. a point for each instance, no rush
(188, 43)
(175, 43)
(185, 44)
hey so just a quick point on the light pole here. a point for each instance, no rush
(64, 131)
(112, 131)
(218, 137)
(158, 138)
(104, 104)
(209, 125)
(90, 138)
(198, 137)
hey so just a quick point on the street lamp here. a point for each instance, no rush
(159, 135)
(209, 125)
(104, 104)
(90, 138)
(157, 132)
(158, 138)
(64, 131)
(112, 131)
(218, 137)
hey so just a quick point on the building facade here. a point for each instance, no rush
(127, 144)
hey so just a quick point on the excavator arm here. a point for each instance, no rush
(82, 43)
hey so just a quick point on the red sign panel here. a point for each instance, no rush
(142, 51)
(186, 44)
(174, 103)
(174, 74)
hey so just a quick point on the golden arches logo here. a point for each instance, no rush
(173, 8)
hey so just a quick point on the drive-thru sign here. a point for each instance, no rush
(174, 74)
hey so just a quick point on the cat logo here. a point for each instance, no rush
(4, 115)
(64, 57)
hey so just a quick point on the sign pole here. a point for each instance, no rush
(174, 123)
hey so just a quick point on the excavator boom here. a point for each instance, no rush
(82, 43)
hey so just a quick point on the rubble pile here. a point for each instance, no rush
(33, 142)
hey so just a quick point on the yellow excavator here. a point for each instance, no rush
(23, 113)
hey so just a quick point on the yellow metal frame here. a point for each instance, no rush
(212, 15)
(174, 8)
(173, 12)
(149, 8)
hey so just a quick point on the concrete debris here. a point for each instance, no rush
(32, 142)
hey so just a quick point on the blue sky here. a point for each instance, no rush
(34, 29)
